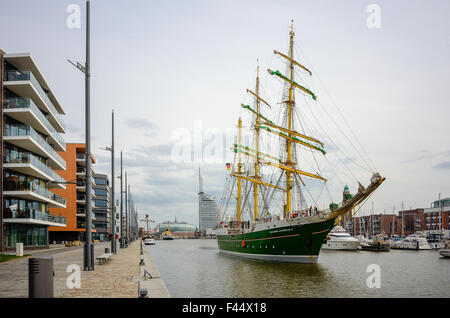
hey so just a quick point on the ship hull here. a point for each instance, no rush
(294, 243)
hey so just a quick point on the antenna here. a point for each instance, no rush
(200, 182)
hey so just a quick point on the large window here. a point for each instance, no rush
(29, 235)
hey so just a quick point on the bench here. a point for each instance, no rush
(104, 257)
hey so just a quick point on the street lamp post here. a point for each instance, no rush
(126, 207)
(112, 208)
(88, 253)
(121, 201)
(88, 259)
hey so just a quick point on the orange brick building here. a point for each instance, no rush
(75, 195)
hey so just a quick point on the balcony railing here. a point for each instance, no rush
(33, 214)
(82, 225)
(81, 156)
(81, 170)
(28, 76)
(81, 197)
(25, 130)
(12, 103)
(29, 186)
(26, 157)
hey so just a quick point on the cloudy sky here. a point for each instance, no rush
(169, 67)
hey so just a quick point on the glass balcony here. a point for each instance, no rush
(81, 156)
(33, 214)
(33, 187)
(26, 157)
(82, 225)
(25, 130)
(12, 103)
(28, 76)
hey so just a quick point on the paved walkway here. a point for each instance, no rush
(14, 273)
(115, 278)
(119, 277)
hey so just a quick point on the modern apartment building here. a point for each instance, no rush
(75, 194)
(31, 138)
(101, 200)
(436, 218)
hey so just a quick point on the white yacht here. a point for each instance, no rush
(416, 241)
(149, 241)
(339, 239)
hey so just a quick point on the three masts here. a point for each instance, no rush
(288, 166)
(297, 235)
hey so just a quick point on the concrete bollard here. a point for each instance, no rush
(19, 249)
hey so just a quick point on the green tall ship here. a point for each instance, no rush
(297, 232)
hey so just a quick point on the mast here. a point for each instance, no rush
(239, 172)
(403, 221)
(440, 216)
(290, 106)
(255, 186)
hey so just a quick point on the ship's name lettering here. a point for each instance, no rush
(281, 230)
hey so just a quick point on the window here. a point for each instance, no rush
(100, 203)
(100, 181)
(101, 192)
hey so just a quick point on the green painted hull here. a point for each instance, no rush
(296, 243)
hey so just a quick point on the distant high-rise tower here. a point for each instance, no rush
(208, 209)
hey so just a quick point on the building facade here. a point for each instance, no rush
(75, 194)
(208, 209)
(32, 128)
(436, 219)
(101, 200)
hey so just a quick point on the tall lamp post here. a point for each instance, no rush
(88, 257)
(121, 201)
(126, 208)
(113, 181)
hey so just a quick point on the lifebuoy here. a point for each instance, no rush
(243, 244)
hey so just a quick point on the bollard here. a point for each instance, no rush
(19, 249)
(40, 277)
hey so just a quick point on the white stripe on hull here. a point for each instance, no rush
(306, 259)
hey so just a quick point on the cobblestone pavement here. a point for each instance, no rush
(114, 274)
(112, 279)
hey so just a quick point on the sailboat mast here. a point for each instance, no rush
(290, 107)
(239, 171)
(255, 187)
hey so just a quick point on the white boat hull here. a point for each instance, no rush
(410, 246)
(341, 245)
(444, 252)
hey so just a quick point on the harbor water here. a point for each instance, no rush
(195, 268)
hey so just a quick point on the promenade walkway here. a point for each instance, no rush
(115, 278)
(14, 273)
(118, 277)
